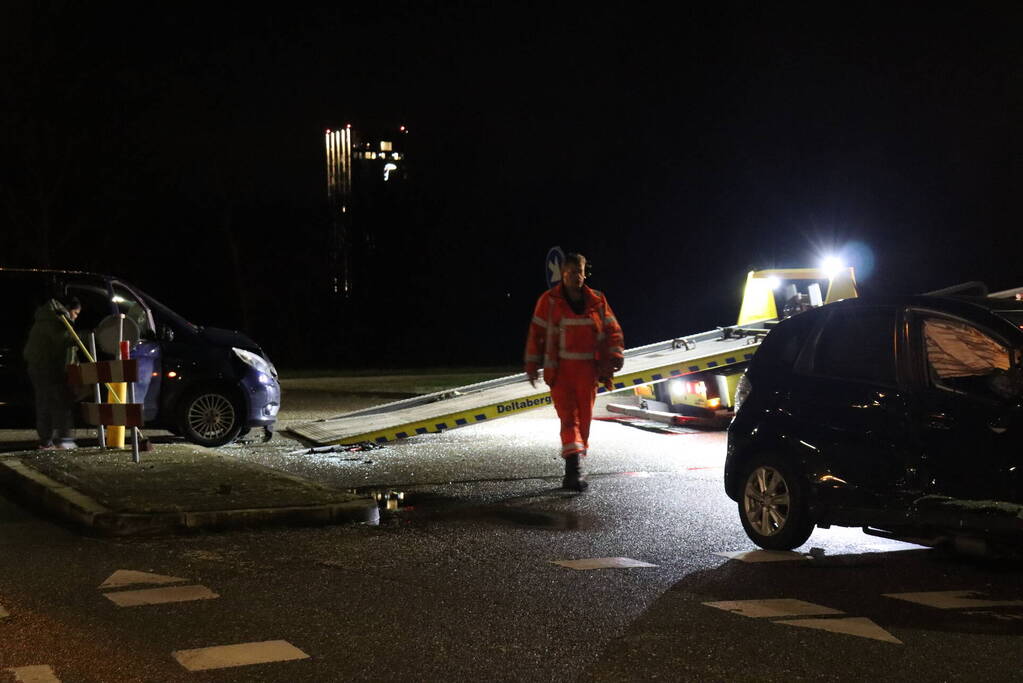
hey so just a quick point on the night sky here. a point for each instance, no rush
(183, 149)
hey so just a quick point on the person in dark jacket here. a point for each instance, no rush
(49, 349)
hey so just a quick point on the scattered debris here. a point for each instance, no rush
(340, 448)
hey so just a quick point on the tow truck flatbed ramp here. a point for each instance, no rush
(505, 396)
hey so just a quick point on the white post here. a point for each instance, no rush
(135, 458)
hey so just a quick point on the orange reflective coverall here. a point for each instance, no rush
(575, 350)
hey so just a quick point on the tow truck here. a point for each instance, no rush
(707, 398)
(685, 377)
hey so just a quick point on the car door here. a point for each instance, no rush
(966, 413)
(147, 351)
(101, 299)
(851, 412)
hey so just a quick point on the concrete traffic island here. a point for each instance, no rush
(177, 488)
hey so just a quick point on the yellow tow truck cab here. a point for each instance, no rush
(769, 296)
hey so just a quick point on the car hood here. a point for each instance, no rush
(221, 337)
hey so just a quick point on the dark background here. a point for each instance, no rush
(182, 148)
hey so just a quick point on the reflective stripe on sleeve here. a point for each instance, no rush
(539, 321)
(531, 358)
(577, 321)
(617, 349)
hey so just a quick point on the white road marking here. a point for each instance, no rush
(764, 556)
(157, 596)
(243, 654)
(952, 599)
(130, 577)
(853, 626)
(773, 608)
(603, 563)
(40, 673)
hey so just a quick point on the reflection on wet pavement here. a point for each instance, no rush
(432, 506)
(388, 500)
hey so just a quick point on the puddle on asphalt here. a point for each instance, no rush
(441, 507)
(390, 500)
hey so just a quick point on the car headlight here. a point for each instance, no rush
(261, 365)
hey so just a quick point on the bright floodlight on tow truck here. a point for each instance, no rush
(832, 266)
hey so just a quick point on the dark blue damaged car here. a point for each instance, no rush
(901, 416)
(209, 385)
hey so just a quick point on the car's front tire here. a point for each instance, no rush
(773, 506)
(210, 417)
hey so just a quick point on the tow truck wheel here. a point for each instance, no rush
(210, 417)
(772, 506)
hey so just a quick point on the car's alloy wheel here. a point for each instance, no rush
(773, 509)
(210, 418)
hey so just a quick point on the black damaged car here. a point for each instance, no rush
(901, 416)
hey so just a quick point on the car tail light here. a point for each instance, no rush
(742, 390)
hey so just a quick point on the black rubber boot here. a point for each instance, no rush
(574, 480)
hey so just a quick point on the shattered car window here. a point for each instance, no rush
(965, 360)
(958, 350)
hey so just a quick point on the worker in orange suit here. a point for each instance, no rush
(575, 337)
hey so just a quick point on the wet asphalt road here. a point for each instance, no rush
(458, 581)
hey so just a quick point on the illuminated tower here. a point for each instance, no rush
(339, 196)
(364, 179)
